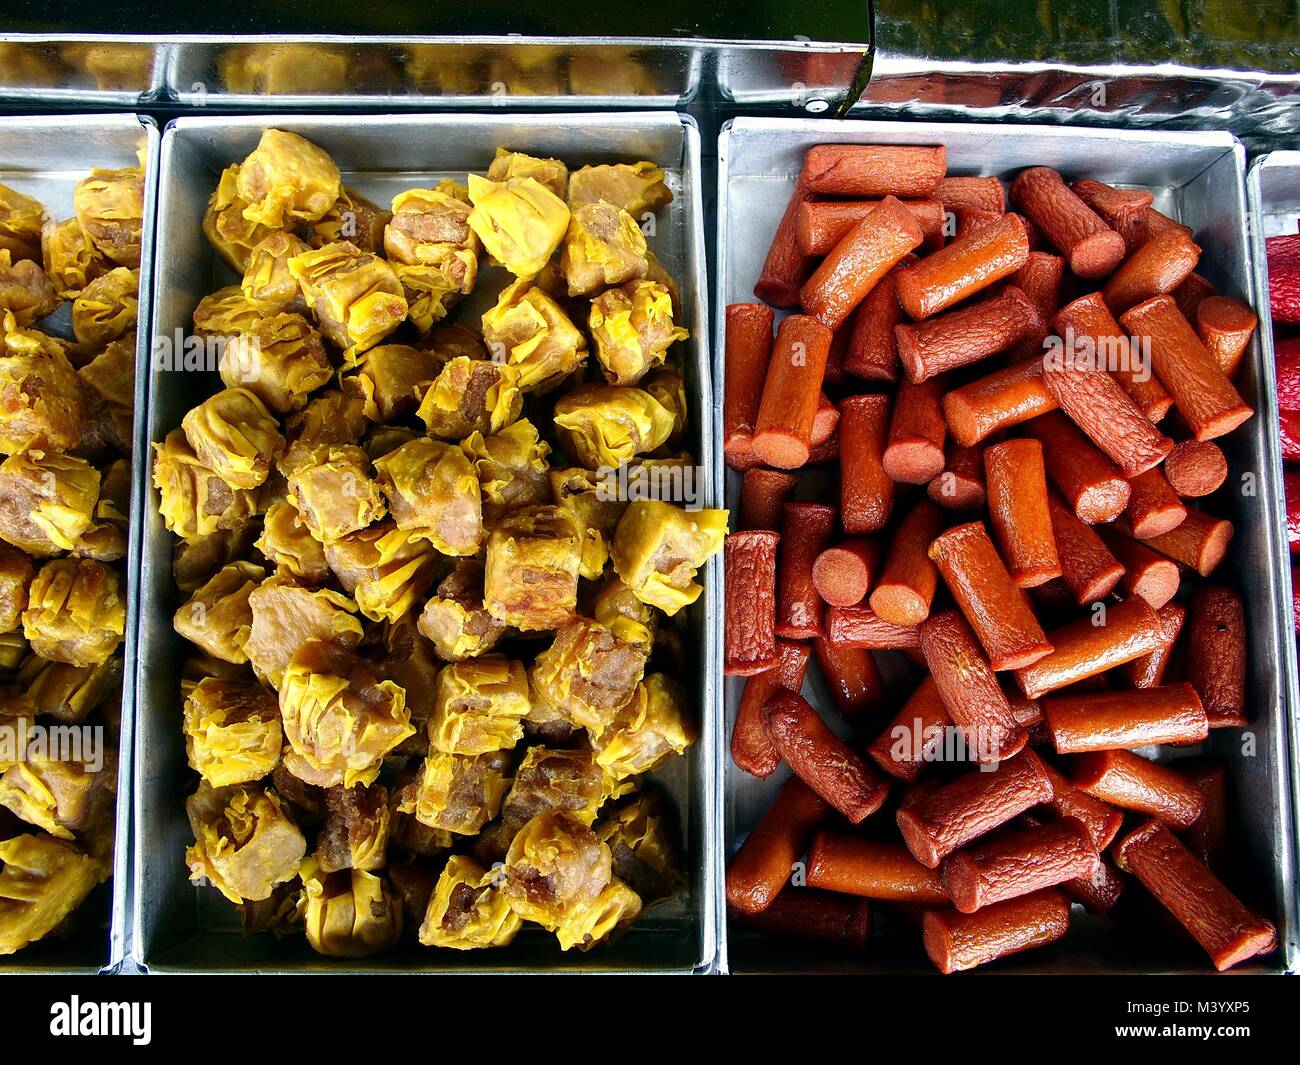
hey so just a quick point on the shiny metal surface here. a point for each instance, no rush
(182, 928)
(45, 157)
(1198, 178)
(1273, 196)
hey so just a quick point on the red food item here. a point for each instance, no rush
(872, 870)
(855, 626)
(834, 375)
(907, 583)
(974, 218)
(814, 916)
(961, 484)
(914, 736)
(1123, 779)
(1216, 654)
(1109, 721)
(1124, 210)
(1225, 325)
(1099, 892)
(862, 257)
(1153, 507)
(1086, 478)
(819, 226)
(783, 432)
(1217, 920)
(969, 690)
(1147, 573)
(842, 573)
(1019, 863)
(750, 644)
(1092, 248)
(1002, 399)
(1089, 333)
(975, 260)
(786, 267)
(1084, 648)
(805, 531)
(965, 335)
(1041, 280)
(1098, 405)
(966, 193)
(821, 760)
(852, 677)
(1090, 571)
(874, 170)
(1291, 489)
(1295, 594)
(748, 351)
(1101, 822)
(1149, 670)
(1189, 294)
(1201, 390)
(866, 490)
(956, 941)
(997, 610)
(1158, 266)
(1196, 467)
(873, 349)
(1208, 838)
(1283, 254)
(763, 496)
(953, 815)
(914, 453)
(751, 746)
(762, 865)
(1199, 541)
(1017, 495)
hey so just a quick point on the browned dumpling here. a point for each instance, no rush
(603, 247)
(231, 234)
(25, 291)
(651, 728)
(634, 187)
(479, 705)
(42, 882)
(340, 719)
(355, 833)
(467, 910)
(40, 396)
(110, 206)
(355, 296)
(288, 544)
(21, 221)
(235, 436)
(471, 396)
(47, 501)
(227, 313)
(76, 611)
(349, 915)
(72, 261)
(106, 308)
(332, 417)
(550, 172)
(458, 793)
(425, 218)
(633, 330)
(16, 573)
(281, 360)
(286, 180)
(194, 561)
(531, 574)
(245, 842)
(456, 620)
(549, 779)
(266, 277)
(110, 375)
(433, 494)
(232, 731)
(217, 616)
(194, 501)
(60, 795)
(391, 379)
(606, 426)
(66, 692)
(590, 672)
(596, 508)
(511, 467)
(284, 615)
(384, 569)
(529, 331)
(335, 492)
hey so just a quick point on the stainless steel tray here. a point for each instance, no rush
(181, 928)
(1273, 196)
(1199, 179)
(45, 156)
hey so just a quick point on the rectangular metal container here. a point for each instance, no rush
(1273, 198)
(183, 928)
(45, 156)
(1199, 179)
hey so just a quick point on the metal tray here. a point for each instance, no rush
(1199, 179)
(1273, 196)
(45, 157)
(181, 928)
